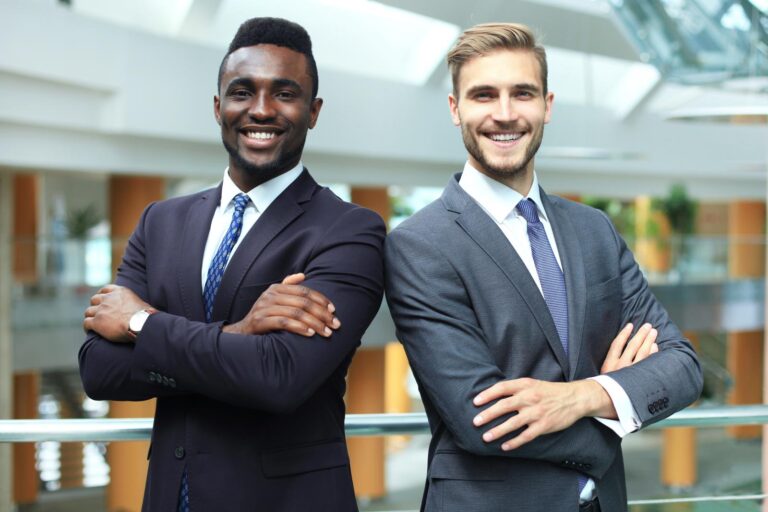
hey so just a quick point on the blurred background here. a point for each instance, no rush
(660, 119)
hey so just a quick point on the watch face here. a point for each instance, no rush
(137, 321)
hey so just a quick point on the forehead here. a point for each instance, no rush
(501, 68)
(267, 62)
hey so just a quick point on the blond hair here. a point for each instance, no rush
(487, 37)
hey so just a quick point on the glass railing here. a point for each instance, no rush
(745, 496)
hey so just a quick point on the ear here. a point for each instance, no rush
(217, 109)
(548, 100)
(453, 104)
(314, 111)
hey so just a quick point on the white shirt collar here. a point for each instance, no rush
(496, 198)
(263, 195)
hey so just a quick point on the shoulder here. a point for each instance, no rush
(179, 203)
(579, 212)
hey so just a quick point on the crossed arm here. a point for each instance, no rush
(264, 361)
(461, 379)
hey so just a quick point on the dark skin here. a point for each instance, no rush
(285, 306)
(265, 108)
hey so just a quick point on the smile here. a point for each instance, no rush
(504, 137)
(260, 135)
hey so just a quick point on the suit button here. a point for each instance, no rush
(152, 376)
(179, 452)
(172, 382)
(165, 381)
(587, 466)
(650, 408)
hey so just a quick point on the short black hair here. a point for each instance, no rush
(276, 31)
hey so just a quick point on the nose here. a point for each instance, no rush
(262, 107)
(505, 110)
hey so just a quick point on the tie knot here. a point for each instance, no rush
(527, 209)
(241, 201)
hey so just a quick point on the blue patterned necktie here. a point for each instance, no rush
(551, 278)
(212, 282)
(219, 261)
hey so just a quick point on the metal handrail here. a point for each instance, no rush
(89, 430)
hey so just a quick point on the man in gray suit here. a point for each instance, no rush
(509, 301)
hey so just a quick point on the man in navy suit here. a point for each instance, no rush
(248, 365)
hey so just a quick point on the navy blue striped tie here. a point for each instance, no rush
(551, 278)
(550, 275)
(212, 282)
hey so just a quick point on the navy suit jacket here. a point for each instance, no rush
(257, 421)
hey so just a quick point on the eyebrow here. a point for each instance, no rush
(533, 88)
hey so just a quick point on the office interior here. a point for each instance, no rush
(660, 119)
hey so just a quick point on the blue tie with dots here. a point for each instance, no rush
(551, 278)
(219, 261)
(212, 282)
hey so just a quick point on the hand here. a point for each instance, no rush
(110, 310)
(288, 306)
(642, 345)
(542, 407)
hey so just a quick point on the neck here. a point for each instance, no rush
(247, 181)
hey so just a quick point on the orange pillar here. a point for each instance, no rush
(25, 193)
(26, 390)
(366, 382)
(652, 245)
(365, 395)
(678, 454)
(652, 250)
(746, 259)
(396, 399)
(128, 196)
(6, 343)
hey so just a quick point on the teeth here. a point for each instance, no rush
(260, 135)
(505, 137)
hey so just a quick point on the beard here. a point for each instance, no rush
(502, 172)
(264, 172)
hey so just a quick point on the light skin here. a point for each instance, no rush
(501, 107)
(265, 108)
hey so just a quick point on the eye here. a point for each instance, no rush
(524, 94)
(239, 94)
(285, 95)
(482, 96)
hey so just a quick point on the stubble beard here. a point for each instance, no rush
(502, 173)
(265, 172)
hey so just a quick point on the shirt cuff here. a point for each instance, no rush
(628, 421)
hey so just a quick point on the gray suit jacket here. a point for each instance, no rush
(470, 315)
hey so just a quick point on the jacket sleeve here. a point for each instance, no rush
(105, 367)
(669, 380)
(448, 353)
(278, 371)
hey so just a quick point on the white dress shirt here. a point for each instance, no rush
(261, 197)
(499, 202)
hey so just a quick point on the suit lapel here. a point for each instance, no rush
(485, 233)
(569, 249)
(281, 213)
(193, 239)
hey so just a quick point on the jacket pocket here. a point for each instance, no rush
(459, 466)
(303, 459)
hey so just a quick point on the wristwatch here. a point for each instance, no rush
(136, 323)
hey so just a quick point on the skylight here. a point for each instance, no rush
(356, 36)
